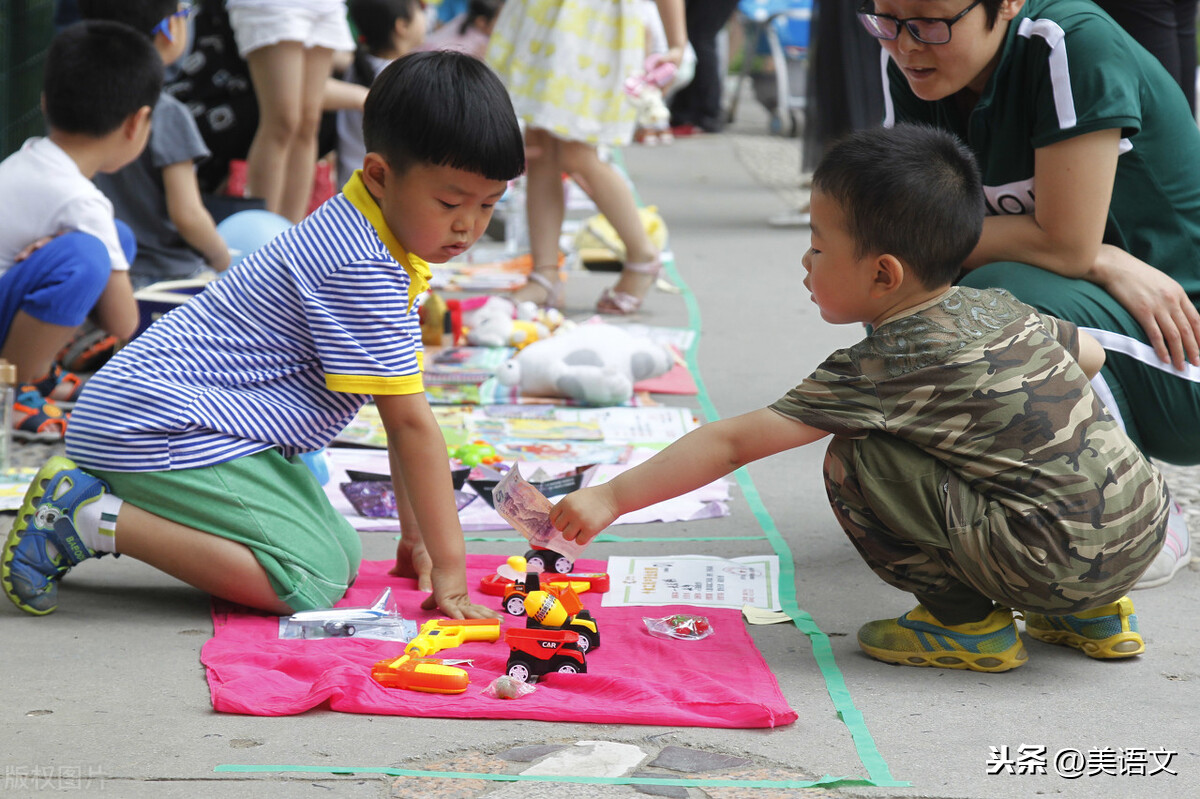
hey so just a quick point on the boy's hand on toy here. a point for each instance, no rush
(450, 597)
(413, 561)
(582, 514)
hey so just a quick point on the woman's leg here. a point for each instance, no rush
(1160, 410)
(277, 72)
(545, 208)
(302, 154)
(614, 198)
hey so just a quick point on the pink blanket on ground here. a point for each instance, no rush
(633, 677)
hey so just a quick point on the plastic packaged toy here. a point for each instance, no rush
(505, 687)
(528, 511)
(377, 622)
(681, 626)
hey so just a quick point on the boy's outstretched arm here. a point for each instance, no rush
(697, 459)
(423, 483)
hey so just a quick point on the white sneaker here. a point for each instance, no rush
(1175, 554)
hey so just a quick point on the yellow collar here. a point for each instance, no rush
(418, 271)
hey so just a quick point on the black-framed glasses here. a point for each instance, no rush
(927, 30)
(164, 27)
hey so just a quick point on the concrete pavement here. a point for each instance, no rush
(108, 693)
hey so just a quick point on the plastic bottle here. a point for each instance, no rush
(516, 228)
(8, 387)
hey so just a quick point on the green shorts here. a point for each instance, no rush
(1160, 410)
(273, 505)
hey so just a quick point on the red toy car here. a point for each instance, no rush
(538, 652)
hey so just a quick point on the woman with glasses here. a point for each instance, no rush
(1090, 157)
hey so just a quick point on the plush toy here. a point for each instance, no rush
(500, 323)
(596, 364)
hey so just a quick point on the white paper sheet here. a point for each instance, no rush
(697, 580)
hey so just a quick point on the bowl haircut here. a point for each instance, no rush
(910, 191)
(97, 74)
(443, 108)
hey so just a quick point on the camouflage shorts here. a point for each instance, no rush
(923, 529)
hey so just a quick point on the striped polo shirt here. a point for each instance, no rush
(281, 351)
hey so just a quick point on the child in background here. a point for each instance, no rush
(63, 257)
(289, 48)
(387, 29)
(158, 195)
(971, 463)
(468, 32)
(565, 63)
(187, 444)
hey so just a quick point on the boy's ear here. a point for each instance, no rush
(135, 121)
(889, 275)
(375, 173)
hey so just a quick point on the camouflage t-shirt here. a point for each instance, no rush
(991, 388)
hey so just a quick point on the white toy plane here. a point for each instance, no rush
(342, 621)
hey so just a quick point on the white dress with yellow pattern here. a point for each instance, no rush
(565, 63)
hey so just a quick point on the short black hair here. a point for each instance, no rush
(376, 19)
(443, 108)
(911, 191)
(992, 9)
(486, 10)
(141, 15)
(97, 74)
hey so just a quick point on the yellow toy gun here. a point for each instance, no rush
(439, 634)
(416, 671)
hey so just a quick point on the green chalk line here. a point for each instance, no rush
(826, 782)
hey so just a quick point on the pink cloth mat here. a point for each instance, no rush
(633, 677)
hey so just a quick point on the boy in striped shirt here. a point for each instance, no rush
(183, 451)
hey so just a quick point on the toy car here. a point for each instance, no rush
(538, 652)
(547, 560)
(550, 610)
(597, 582)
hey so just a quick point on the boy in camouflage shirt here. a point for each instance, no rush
(971, 464)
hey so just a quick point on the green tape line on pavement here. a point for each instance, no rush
(835, 683)
(826, 782)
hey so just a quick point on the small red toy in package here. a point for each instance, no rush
(683, 626)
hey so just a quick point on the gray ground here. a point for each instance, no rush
(109, 694)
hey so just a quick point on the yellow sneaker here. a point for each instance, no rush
(919, 639)
(1106, 632)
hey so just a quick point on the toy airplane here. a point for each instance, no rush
(346, 621)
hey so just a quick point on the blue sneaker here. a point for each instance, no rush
(28, 573)
(918, 639)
